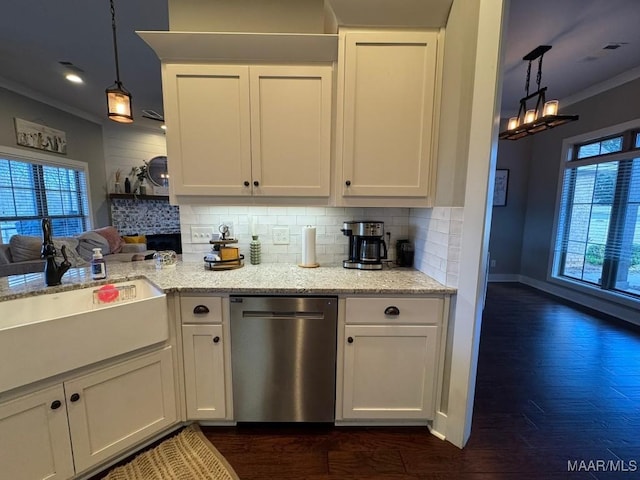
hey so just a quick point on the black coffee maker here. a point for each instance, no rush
(366, 244)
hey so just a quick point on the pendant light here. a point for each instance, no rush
(544, 115)
(118, 98)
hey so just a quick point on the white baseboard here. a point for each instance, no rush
(590, 301)
(439, 426)
(504, 277)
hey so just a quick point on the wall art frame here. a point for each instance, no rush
(41, 137)
(501, 187)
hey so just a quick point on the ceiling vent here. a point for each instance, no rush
(152, 115)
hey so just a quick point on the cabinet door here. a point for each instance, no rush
(388, 104)
(290, 130)
(389, 372)
(208, 129)
(34, 437)
(118, 407)
(203, 352)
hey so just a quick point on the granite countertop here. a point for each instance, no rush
(266, 278)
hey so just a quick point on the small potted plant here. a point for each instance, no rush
(142, 175)
(117, 186)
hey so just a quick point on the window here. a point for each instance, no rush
(598, 236)
(32, 188)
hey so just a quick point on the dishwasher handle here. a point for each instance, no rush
(282, 315)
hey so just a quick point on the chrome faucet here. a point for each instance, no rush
(53, 272)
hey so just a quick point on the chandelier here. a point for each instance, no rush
(544, 114)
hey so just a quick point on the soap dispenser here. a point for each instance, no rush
(98, 265)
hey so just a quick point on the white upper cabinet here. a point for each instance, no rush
(385, 117)
(238, 130)
(208, 128)
(291, 130)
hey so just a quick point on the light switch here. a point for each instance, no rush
(202, 233)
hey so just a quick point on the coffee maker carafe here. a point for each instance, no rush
(367, 248)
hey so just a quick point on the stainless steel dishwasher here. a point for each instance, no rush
(283, 356)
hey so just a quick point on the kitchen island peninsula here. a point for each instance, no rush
(172, 364)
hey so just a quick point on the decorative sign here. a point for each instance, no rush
(32, 135)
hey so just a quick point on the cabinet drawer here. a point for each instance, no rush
(380, 310)
(210, 308)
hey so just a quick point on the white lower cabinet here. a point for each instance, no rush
(204, 372)
(389, 371)
(34, 437)
(120, 406)
(101, 414)
(391, 358)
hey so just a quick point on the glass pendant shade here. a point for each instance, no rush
(550, 108)
(530, 116)
(513, 123)
(119, 104)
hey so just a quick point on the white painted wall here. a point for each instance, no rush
(126, 146)
(479, 149)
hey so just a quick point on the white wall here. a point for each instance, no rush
(300, 16)
(126, 146)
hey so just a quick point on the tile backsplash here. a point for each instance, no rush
(144, 217)
(437, 233)
(331, 244)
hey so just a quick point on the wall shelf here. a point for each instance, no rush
(125, 196)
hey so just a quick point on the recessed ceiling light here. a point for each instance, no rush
(73, 78)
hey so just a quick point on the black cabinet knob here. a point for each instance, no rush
(350, 339)
(256, 183)
(56, 404)
(392, 310)
(75, 397)
(348, 183)
(200, 309)
(216, 339)
(246, 183)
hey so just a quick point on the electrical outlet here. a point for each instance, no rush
(202, 233)
(280, 235)
(493, 263)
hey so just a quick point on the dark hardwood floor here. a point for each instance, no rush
(556, 384)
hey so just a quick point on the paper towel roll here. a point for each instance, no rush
(309, 246)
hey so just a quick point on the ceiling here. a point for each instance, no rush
(35, 35)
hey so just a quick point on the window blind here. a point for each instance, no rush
(598, 238)
(32, 190)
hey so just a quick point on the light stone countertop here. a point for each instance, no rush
(268, 278)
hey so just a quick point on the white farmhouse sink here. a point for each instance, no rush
(45, 335)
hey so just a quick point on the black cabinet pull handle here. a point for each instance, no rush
(246, 183)
(216, 339)
(392, 310)
(350, 339)
(56, 404)
(256, 183)
(200, 309)
(348, 183)
(75, 397)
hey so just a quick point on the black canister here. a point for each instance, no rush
(404, 253)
